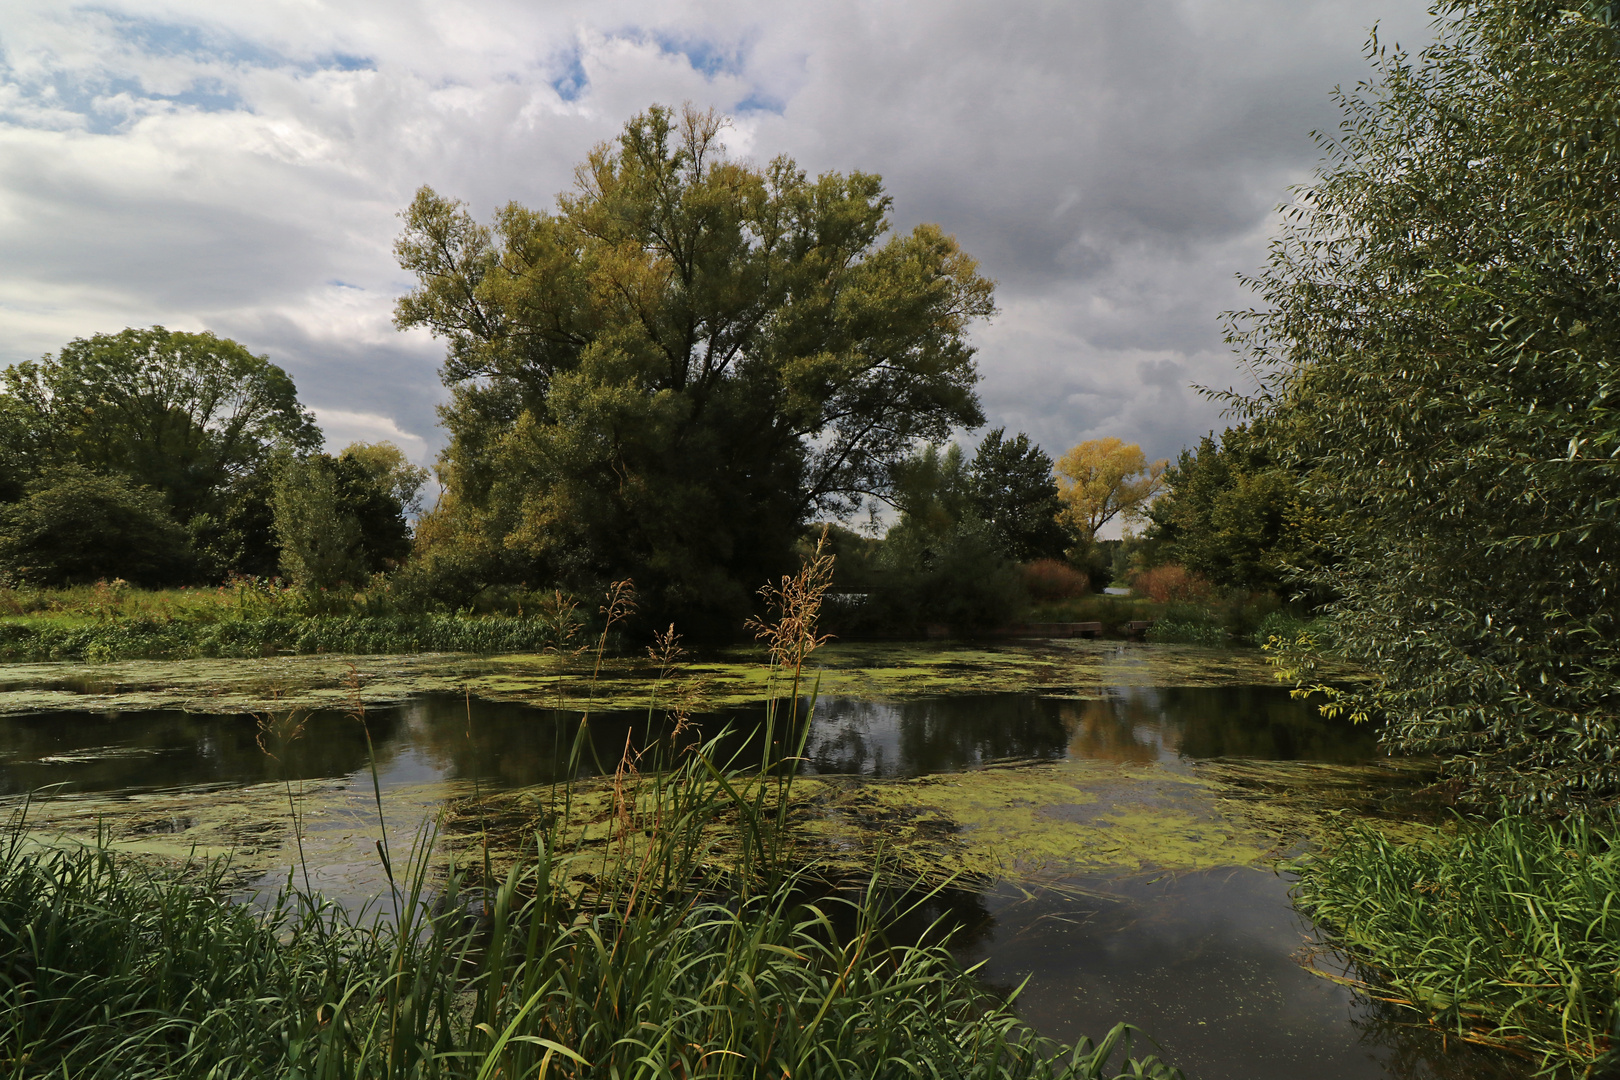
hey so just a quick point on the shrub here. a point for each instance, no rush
(1172, 583)
(76, 527)
(1052, 579)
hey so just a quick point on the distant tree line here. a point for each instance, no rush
(167, 458)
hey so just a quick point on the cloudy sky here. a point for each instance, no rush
(239, 167)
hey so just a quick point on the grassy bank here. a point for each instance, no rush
(154, 638)
(1241, 619)
(254, 617)
(1505, 934)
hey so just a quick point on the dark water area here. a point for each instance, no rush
(1207, 963)
(435, 737)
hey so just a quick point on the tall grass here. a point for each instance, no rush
(148, 638)
(643, 956)
(1505, 934)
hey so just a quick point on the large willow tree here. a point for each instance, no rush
(667, 375)
(1440, 342)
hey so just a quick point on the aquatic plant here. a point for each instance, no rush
(1187, 631)
(1505, 934)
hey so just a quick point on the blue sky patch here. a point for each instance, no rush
(759, 101)
(708, 58)
(573, 81)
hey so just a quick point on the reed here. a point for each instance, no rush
(1506, 933)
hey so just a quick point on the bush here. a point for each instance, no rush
(1189, 628)
(76, 527)
(1286, 626)
(956, 578)
(1052, 579)
(1172, 583)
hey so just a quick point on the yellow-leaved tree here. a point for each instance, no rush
(1102, 479)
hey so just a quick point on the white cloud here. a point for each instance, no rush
(239, 167)
(343, 427)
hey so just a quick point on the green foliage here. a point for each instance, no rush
(940, 563)
(1014, 494)
(954, 576)
(148, 638)
(179, 413)
(76, 527)
(1437, 340)
(665, 377)
(1189, 628)
(320, 544)
(239, 538)
(1233, 514)
(1506, 934)
(110, 970)
(192, 417)
(1283, 626)
(340, 519)
(391, 473)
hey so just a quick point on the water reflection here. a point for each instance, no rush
(1128, 724)
(445, 736)
(1205, 962)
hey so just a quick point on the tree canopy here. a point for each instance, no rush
(180, 413)
(1014, 494)
(669, 373)
(1438, 334)
(1102, 479)
(74, 527)
(1232, 512)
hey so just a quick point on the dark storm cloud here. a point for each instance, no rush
(1111, 164)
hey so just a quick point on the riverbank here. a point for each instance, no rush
(1502, 933)
(105, 622)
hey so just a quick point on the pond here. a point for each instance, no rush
(1169, 914)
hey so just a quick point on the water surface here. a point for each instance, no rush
(1208, 963)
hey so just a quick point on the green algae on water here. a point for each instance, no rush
(734, 679)
(1025, 823)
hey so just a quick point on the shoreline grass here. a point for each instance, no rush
(145, 638)
(1505, 934)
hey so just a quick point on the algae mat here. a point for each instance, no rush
(1025, 823)
(252, 830)
(734, 679)
(1028, 823)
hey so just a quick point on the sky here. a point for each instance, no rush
(239, 168)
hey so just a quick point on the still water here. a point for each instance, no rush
(1207, 963)
(448, 737)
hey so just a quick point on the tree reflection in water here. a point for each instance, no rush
(444, 736)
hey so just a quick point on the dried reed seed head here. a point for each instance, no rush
(621, 602)
(666, 649)
(797, 604)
